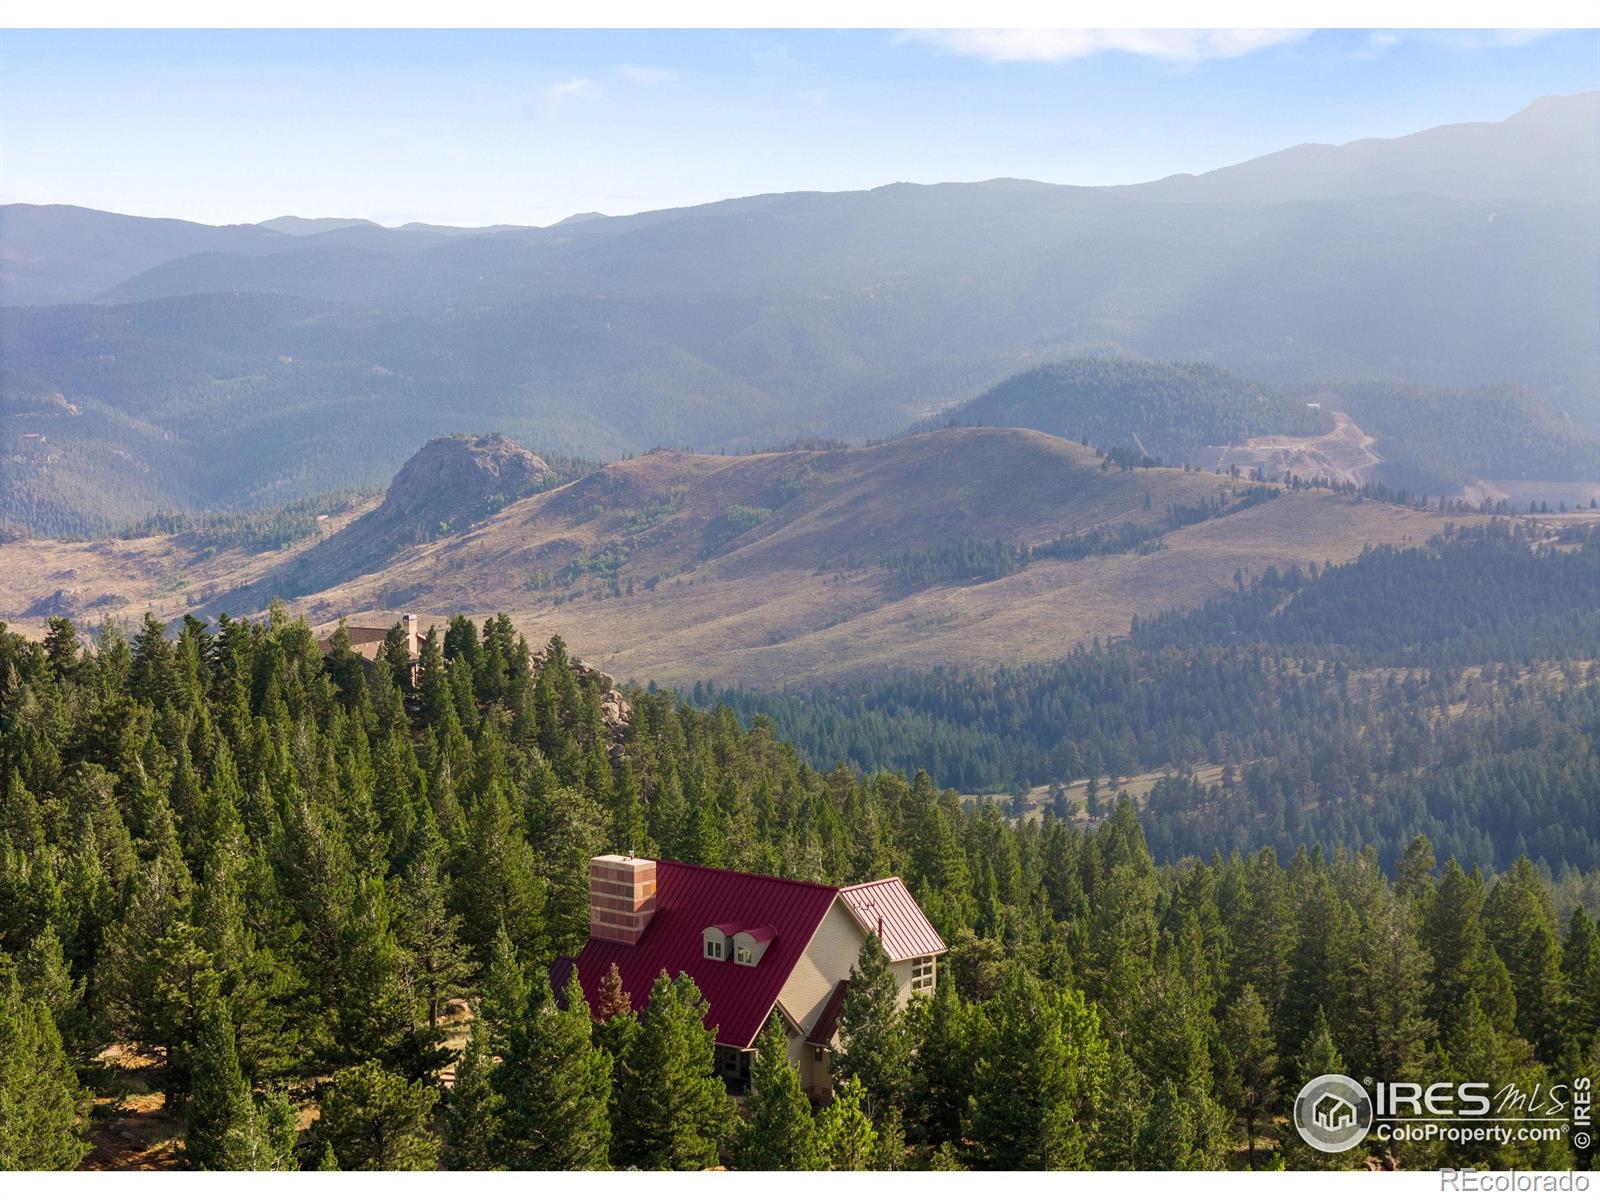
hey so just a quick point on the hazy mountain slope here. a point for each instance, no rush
(1549, 152)
(750, 322)
(252, 399)
(1434, 440)
(58, 253)
(1170, 410)
(305, 226)
(1427, 440)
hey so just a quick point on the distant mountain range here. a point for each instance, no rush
(1546, 153)
(151, 363)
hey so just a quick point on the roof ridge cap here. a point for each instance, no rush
(850, 887)
(826, 887)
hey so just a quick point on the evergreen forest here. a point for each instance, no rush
(287, 881)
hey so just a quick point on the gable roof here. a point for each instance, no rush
(828, 1019)
(886, 908)
(691, 899)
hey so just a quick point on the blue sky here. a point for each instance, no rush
(472, 127)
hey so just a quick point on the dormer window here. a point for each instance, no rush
(750, 944)
(715, 939)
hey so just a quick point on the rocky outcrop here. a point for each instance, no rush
(615, 710)
(453, 481)
(442, 489)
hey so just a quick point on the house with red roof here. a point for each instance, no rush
(753, 944)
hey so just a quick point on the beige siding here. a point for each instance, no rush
(834, 949)
(902, 976)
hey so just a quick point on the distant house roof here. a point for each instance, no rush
(691, 899)
(886, 908)
(828, 1019)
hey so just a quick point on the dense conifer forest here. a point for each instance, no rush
(277, 874)
(1448, 689)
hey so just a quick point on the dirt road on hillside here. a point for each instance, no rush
(1344, 454)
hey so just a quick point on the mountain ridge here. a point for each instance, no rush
(267, 367)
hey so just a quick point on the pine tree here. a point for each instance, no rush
(779, 1134)
(1522, 926)
(497, 882)
(1580, 963)
(278, 1133)
(942, 1076)
(673, 1109)
(427, 933)
(1252, 1063)
(611, 1001)
(41, 1102)
(1033, 1086)
(846, 1139)
(1318, 1056)
(890, 1152)
(375, 1120)
(1452, 934)
(375, 1011)
(875, 1046)
(221, 1111)
(472, 1109)
(505, 990)
(554, 1087)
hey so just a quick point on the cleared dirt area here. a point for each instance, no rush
(129, 1129)
(1136, 787)
(1343, 455)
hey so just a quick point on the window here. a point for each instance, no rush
(714, 948)
(743, 954)
(922, 974)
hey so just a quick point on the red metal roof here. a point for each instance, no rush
(690, 899)
(828, 1019)
(886, 908)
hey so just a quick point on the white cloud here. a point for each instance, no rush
(563, 90)
(647, 76)
(1061, 45)
(1377, 43)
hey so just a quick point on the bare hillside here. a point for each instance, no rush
(771, 568)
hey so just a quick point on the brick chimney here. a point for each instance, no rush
(411, 633)
(622, 897)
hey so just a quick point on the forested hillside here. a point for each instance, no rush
(1433, 440)
(1451, 689)
(1170, 410)
(270, 875)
